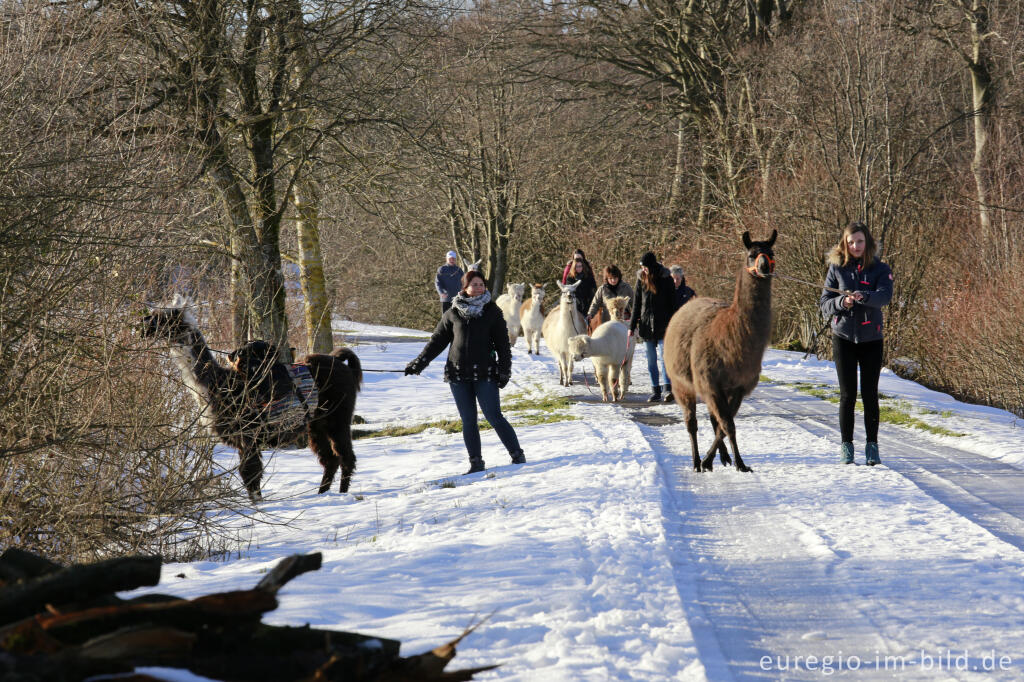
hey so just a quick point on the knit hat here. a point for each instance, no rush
(649, 260)
(451, 254)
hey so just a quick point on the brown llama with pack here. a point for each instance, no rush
(257, 403)
(714, 350)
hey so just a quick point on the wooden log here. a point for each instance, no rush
(289, 568)
(238, 608)
(76, 584)
(17, 564)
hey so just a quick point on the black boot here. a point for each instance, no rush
(475, 467)
(668, 394)
(656, 396)
(518, 457)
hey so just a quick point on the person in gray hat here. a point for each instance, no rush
(448, 280)
(683, 293)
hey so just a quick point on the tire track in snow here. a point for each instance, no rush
(754, 582)
(983, 490)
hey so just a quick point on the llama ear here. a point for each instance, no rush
(771, 240)
(746, 240)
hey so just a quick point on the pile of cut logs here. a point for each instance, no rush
(62, 624)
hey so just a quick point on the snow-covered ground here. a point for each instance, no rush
(607, 558)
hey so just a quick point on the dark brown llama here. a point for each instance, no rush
(714, 350)
(234, 405)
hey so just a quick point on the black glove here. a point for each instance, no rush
(413, 367)
(503, 380)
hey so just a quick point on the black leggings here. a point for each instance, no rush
(848, 357)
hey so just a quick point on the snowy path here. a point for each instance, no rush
(985, 490)
(787, 571)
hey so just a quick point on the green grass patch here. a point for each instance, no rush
(896, 412)
(765, 379)
(446, 425)
(547, 403)
(823, 391)
(520, 409)
(892, 415)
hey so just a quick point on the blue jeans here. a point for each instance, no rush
(656, 351)
(467, 394)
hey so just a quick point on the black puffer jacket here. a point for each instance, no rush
(652, 311)
(479, 346)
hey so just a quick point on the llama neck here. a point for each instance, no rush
(752, 301)
(568, 315)
(199, 369)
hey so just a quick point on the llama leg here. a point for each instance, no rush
(320, 444)
(689, 406)
(727, 408)
(250, 468)
(717, 410)
(723, 453)
(730, 428)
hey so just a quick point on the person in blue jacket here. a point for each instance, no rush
(856, 318)
(448, 281)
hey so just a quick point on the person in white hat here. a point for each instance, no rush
(448, 281)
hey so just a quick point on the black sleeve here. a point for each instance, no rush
(439, 340)
(634, 320)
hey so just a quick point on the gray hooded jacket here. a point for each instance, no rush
(863, 322)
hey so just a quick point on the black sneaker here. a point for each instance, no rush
(475, 467)
(655, 397)
(518, 457)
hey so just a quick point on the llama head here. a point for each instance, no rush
(516, 291)
(174, 322)
(538, 292)
(568, 291)
(617, 307)
(760, 256)
(579, 347)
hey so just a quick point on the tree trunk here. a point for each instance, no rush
(982, 101)
(675, 199)
(306, 199)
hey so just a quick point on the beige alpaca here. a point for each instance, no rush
(561, 323)
(714, 350)
(509, 304)
(611, 350)
(617, 308)
(531, 317)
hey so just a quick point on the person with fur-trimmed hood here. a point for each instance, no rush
(479, 364)
(856, 319)
(653, 306)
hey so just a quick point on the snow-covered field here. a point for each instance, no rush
(607, 558)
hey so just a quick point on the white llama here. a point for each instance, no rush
(610, 349)
(509, 304)
(531, 318)
(561, 323)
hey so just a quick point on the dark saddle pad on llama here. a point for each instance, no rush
(299, 403)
